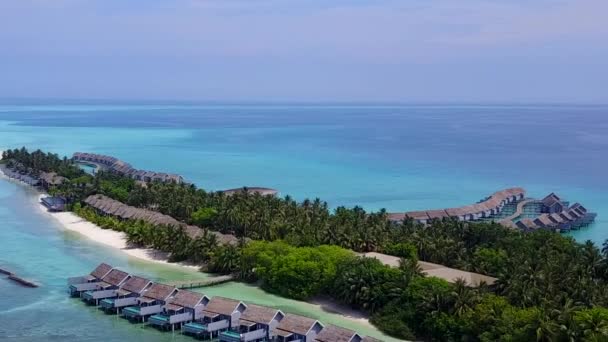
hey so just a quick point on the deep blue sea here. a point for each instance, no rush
(398, 157)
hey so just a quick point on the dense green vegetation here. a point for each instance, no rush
(550, 287)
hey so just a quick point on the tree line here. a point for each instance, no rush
(550, 288)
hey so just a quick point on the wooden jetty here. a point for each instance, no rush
(17, 279)
(193, 284)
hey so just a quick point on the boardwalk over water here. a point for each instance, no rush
(508, 221)
(192, 284)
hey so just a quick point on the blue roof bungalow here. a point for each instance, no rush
(106, 288)
(257, 323)
(294, 328)
(185, 306)
(53, 203)
(220, 314)
(77, 285)
(126, 295)
(332, 333)
(150, 303)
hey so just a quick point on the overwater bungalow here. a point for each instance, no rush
(297, 328)
(220, 314)
(185, 306)
(526, 224)
(579, 207)
(126, 295)
(552, 204)
(332, 333)
(487, 208)
(250, 191)
(257, 323)
(125, 169)
(77, 285)
(437, 214)
(543, 221)
(107, 287)
(418, 216)
(151, 302)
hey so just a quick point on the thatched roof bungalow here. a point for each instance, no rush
(109, 206)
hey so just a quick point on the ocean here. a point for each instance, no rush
(398, 157)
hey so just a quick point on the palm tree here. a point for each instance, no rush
(464, 298)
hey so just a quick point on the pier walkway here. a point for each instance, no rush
(192, 284)
(508, 221)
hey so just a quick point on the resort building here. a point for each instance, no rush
(251, 191)
(126, 295)
(118, 166)
(185, 306)
(51, 179)
(220, 314)
(107, 206)
(552, 204)
(85, 283)
(332, 333)
(297, 328)
(486, 208)
(54, 204)
(257, 323)
(151, 302)
(107, 287)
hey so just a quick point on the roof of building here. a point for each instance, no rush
(551, 199)
(556, 218)
(437, 214)
(159, 291)
(119, 209)
(544, 221)
(125, 168)
(370, 339)
(528, 223)
(296, 324)
(101, 270)
(187, 299)
(260, 314)
(332, 333)
(222, 305)
(115, 277)
(417, 215)
(494, 201)
(579, 207)
(136, 284)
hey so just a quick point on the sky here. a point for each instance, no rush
(306, 50)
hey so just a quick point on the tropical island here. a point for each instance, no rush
(548, 287)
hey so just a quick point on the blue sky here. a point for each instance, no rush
(306, 50)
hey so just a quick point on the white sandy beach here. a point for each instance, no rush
(72, 222)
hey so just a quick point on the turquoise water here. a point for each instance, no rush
(35, 248)
(395, 157)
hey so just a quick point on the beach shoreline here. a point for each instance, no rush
(118, 240)
(69, 221)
